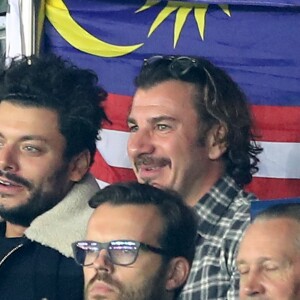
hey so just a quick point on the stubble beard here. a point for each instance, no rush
(150, 289)
(39, 200)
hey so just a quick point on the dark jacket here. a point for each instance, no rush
(34, 272)
(40, 265)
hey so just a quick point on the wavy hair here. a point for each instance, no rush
(218, 101)
(48, 81)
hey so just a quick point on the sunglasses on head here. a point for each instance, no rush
(178, 65)
(120, 252)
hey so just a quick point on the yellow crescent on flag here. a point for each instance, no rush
(59, 16)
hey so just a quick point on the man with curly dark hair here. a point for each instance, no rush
(191, 131)
(50, 114)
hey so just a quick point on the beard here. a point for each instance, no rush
(150, 289)
(39, 201)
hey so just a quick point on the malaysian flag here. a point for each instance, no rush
(256, 42)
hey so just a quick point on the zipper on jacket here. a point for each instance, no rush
(9, 253)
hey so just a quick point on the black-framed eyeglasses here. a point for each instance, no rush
(120, 252)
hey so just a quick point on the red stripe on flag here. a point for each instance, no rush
(102, 171)
(274, 123)
(273, 188)
(277, 123)
(117, 108)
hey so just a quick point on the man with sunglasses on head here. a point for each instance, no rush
(140, 244)
(191, 131)
(50, 113)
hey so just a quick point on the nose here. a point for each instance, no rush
(251, 286)
(140, 142)
(103, 262)
(8, 160)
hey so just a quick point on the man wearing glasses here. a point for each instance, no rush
(140, 244)
(191, 131)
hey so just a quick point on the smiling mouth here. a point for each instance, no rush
(9, 188)
(6, 183)
(8, 180)
(146, 168)
(151, 167)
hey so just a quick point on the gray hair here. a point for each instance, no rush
(285, 210)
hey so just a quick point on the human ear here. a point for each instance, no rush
(79, 165)
(216, 141)
(178, 272)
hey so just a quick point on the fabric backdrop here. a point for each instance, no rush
(256, 42)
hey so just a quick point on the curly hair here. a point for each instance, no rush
(48, 81)
(218, 101)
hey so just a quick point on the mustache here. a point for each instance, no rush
(101, 276)
(17, 179)
(147, 160)
(106, 278)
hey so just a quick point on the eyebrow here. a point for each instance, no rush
(30, 138)
(34, 138)
(240, 262)
(131, 120)
(153, 120)
(259, 260)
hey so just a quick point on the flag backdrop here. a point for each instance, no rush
(256, 42)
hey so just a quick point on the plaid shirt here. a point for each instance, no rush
(224, 213)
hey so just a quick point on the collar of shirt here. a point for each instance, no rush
(211, 207)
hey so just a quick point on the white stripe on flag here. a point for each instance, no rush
(101, 183)
(113, 148)
(278, 160)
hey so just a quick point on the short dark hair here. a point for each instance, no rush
(180, 221)
(48, 81)
(219, 100)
